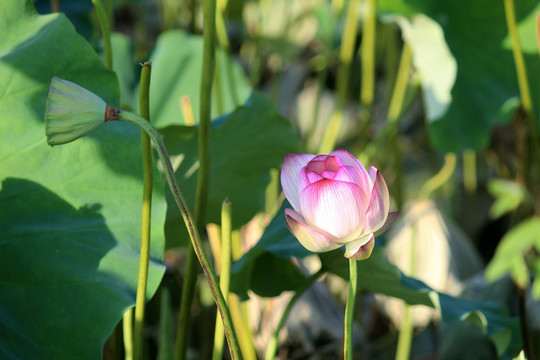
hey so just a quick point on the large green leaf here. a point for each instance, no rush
(245, 146)
(176, 73)
(375, 274)
(69, 215)
(486, 83)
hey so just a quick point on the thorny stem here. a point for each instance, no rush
(192, 229)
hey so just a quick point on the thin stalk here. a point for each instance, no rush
(441, 177)
(239, 310)
(346, 55)
(469, 171)
(521, 70)
(105, 31)
(224, 274)
(127, 326)
(405, 334)
(55, 7)
(524, 322)
(406, 330)
(398, 95)
(349, 310)
(273, 342)
(190, 281)
(144, 108)
(367, 54)
(190, 225)
(394, 112)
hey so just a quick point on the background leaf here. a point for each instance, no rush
(69, 215)
(375, 274)
(486, 81)
(245, 146)
(176, 72)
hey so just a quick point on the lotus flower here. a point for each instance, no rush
(335, 202)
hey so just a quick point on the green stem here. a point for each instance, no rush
(55, 7)
(441, 177)
(207, 76)
(405, 334)
(106, 32)
(127, 326)
(190, 224)
(346, 55)
(398, 95)
(394, 112)
(349, 310)
(406, 328)
(469, 171)
(367, 53)
(144, 101)
(224, 274)
(273, 342)
(521, 70)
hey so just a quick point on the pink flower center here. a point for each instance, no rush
(322, 167)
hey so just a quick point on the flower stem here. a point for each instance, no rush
(224, 274)
(521, 73)
(469, 171)
(192, 229)
(190, 281)
(406, 329)
(273, 342)
(349, 310)
(394, 111)
(127, 327)
(144, 108)
(441, 177)
(367, 54)
(346, 55)
(106, 32)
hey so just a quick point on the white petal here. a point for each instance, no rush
(290, 175)
(312, 239)
(379, 203)
(360, 249)
(337, 207)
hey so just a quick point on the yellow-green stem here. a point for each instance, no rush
(55, 7)
(394, 112)
(521, 69)
(407, 327)
(190, 280)
(105, 32)
(398, 95)
(349, 310)
(441, 177)
(239, 310)
(469, 171)
(273, 343)
(367, 55)
(127, 326)
(224, 274)
(346, 55)
(194, 236)
(144, 108)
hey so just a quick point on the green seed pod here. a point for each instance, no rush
(73, 112)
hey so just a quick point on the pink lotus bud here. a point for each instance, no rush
(335, 202)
